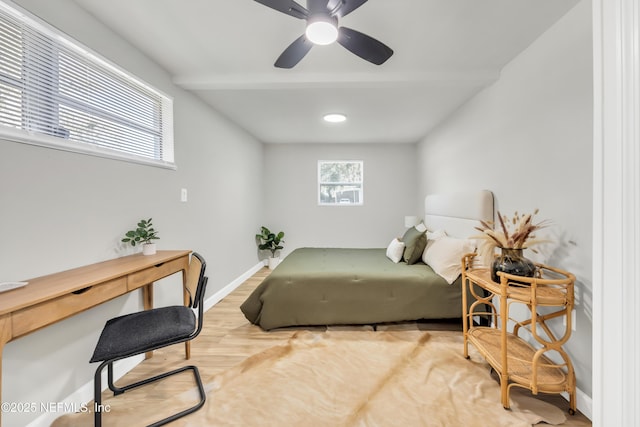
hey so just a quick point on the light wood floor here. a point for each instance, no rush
(227, 339)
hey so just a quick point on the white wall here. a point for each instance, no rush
(60, 210)
(528, 138)
(291, 193)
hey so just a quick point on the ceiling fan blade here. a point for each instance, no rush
(344, 7)
(364, 46)
(289, 7)
(294, 53)
(317, 6)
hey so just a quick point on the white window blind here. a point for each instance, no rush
(56, 93)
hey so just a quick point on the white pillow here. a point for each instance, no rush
(395, 250)
(434, 235)
(444, 254)
(421, 227)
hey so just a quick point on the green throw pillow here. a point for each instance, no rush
(414, 241)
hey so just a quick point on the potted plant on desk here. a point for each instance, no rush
(143, 235)
(271, 242)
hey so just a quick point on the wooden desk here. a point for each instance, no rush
(49, 299)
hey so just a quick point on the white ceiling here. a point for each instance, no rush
(223, 51)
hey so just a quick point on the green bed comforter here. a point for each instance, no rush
(333, 286)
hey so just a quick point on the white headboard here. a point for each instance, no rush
(458, 213)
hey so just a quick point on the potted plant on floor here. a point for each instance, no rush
(271, 242)
(143, 235)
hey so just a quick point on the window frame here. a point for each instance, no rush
(320, 183)
(162, 145)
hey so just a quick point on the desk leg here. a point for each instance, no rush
(147, 300)
(5, 337)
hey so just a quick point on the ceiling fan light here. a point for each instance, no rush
(322, 30)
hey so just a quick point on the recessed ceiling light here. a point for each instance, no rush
(334, 118)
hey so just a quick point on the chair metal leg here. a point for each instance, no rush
(203, 397)
(97, 396)
(119, 390)
(116, 390)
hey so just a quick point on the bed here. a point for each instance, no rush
(340, 286)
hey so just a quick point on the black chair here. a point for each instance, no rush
(148, 330)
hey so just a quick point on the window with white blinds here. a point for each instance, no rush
(56, 93)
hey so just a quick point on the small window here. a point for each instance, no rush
(340, 183)
(56, 93)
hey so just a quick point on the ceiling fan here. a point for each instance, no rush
(322, 28)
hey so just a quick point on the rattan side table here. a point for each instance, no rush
(524, 353)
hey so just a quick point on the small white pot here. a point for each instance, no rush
(273, 263)
(148, 249)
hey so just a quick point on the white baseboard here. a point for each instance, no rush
(218, 296)
(84, 394)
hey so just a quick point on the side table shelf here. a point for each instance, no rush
(520, 351)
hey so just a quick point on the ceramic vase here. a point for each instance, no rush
(149, 249)
(512, 261)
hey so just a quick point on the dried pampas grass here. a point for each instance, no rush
(514, 233)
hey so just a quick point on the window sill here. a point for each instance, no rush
(47, 141)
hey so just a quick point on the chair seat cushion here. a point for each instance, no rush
(136, 333)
